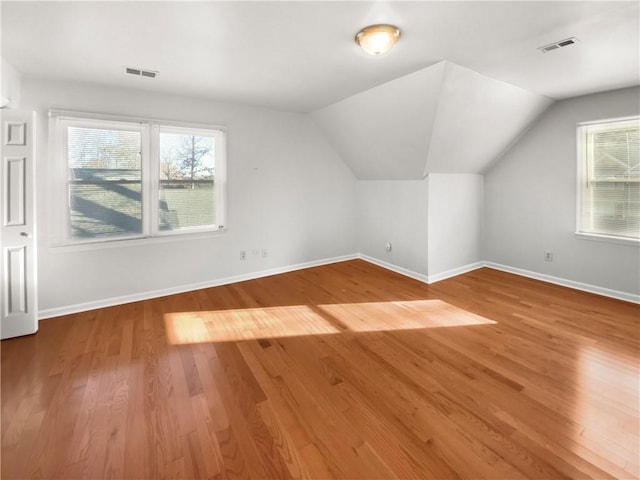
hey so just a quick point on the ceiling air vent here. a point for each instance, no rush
(141, 73)
(556, 45)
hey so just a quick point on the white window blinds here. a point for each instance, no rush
(609, 166)
(131, 179)
(104, 182)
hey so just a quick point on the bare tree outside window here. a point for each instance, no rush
(130, 179)
(191, 154)
(186, 157)
(187, 169)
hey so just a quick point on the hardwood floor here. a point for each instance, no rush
(340, 371)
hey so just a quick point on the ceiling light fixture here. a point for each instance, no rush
(377, 39)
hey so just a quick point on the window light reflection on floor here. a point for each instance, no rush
(607, 375)
(298, 320)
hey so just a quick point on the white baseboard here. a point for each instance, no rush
(419, 276)
(585, 287)
(428, 279)
(454, 272)
(136, 297)
(394, 268)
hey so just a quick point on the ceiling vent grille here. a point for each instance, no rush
(141, 72)
(556, 45)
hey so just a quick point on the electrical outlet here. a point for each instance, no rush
(548, 255)
(243, 254)
(265, 254)
(387, 246)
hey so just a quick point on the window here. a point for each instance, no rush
(129, 179)
(609, 179)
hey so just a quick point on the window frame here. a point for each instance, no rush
(60, 120)
(220, 144)
(582, 177)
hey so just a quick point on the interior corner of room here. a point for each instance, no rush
(453, 168)
(336, 152)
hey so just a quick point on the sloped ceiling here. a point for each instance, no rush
(300, 56)
(384, 132)
(478, 118)
(442, 119)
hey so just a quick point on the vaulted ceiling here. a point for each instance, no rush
(462, 84)
(442, 119)
(300, 56)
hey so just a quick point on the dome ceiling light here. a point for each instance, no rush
(377, 39)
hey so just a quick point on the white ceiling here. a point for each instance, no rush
(300, 56)
(442, 119)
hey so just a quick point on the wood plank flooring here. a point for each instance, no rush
(340, 371)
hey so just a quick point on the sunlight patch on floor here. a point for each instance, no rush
(298, 320)
(245, 324)
(409, 315)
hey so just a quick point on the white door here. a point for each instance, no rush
(18, 295)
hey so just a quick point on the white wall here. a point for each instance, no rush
(396, 212)
(455, 211)
(478, 118)
(530, 200)
(434, 225)
(442, 119)
(383, 133)
(288, 191)
(10, 84)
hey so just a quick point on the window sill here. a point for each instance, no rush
(134, 242)
(608, 238)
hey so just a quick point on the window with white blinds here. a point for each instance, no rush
(126, 179)
(609, 178)
(104, 182)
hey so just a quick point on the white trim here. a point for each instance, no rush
(595, 237)
(136, 297)
(150, 131)
(436, 277)
(584, 172)
(585, 287)
(151, 175)
(220, 176)
(110, 302)
(428, 279)
(580, 174)
(394, 268)
(110, 117)
(134, 241)
(631, 118)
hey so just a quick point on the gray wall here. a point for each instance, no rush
(10, 83)
(530, 200)
(288, 192)
(413, 125)
(434, 225)
(455, 223)
(393, 211)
